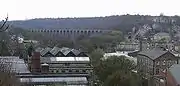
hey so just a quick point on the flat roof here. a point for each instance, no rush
(55, 79)
(65, 59)
(16, 65)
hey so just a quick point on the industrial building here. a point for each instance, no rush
(53, 66)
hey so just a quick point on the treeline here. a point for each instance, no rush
(123, 22)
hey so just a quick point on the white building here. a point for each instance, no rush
(107, 55)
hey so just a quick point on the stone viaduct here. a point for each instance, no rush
(69, 33)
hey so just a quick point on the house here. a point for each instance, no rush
(162, 36)
(153, 61)
(108, 55)
(127, 47)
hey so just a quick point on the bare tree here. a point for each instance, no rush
(7, 74)
(4, 25)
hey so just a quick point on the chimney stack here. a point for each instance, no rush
(35, 62)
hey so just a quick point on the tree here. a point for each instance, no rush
(119, 78)
(4, 26)
(30, 50)
(116, 71)
(4, 49)
(105, 41)
(7, 76)
(96, 56)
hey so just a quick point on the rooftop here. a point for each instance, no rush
(16, 65)
(68, 80)
(65, 59)
(162, 34)
(174, 70)
(107, 55)
(153, 53)
(55, 50)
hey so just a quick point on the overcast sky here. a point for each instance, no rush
(28, 9)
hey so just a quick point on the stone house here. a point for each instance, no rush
(153, 61)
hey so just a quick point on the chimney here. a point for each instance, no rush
(35, 62)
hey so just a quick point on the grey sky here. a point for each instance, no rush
(27, 9)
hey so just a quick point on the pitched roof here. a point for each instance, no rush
(174, 70)
(39, 49)
(76, 52)
(152, 53)
(46, 50)
(65, 50)
(55, 50)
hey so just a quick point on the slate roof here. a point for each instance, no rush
(64, 59)
(152, 53)
(46, 50)
(17, 65)
(39, 49)
(76, 52)
(57, 79)
(65, 50)
(174, 70)
(54, 51)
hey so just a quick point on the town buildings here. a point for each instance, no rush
(58, 63)
(162, 36)
(152, 62)
(53, 66)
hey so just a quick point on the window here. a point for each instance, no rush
(77, 70)
(157, 71)
(80, 71)
(63, 71)
(70, 70)
(67, 64)
(83, 71)
(157, 63)
(164, 62)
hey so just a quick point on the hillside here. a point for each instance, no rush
(123, 22)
